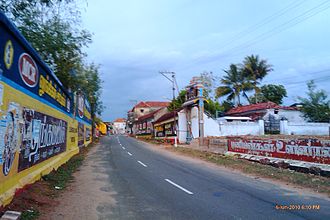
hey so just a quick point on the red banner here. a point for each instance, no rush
(310, 150)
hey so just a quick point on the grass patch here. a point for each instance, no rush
(314, 182)
(63, 175)
(30, 215)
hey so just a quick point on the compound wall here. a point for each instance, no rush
(38, 122)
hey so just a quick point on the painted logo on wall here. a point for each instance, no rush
(81, 106)
(28, 70)
(9, 128)
(8, 54)
(81, 134)
(43, 137)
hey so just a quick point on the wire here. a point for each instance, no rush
(278, 29)
(262, 23)
(285, 79)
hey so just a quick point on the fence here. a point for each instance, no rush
(40, 124)
(304, 128)
(241, 128)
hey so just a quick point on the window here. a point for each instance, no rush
(141, 110)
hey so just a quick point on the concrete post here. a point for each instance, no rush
(261, 127)
(284, 127)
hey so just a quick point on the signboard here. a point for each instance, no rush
(309, 150)
(81, 134)
(23, 67)
(42, 136)
(83, 110)
(88, 134)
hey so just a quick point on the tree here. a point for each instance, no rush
(212, 107)
(270, 92)
(208, 81)
(233, 84)
(51, 26)
(316, 107)
(255, 69)
(178, 101)
(53, 29)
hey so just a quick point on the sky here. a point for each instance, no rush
(135, 39)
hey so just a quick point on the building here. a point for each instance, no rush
(270, 112)
(119, 126)
(141, 109)
(166, 127)
(143, 126)
(265, 110)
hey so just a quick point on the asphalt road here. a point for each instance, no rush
(149, 184)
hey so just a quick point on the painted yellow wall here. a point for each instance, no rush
(15, 180)
(102, 128)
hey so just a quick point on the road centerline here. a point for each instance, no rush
(129, 153)
(178, 186)
(142, 163)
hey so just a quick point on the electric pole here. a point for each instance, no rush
(172, 80)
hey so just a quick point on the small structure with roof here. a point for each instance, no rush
(119, 126)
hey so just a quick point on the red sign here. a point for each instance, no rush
(310, 150)
(28, 70)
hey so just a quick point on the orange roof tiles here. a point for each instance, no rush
(120, 120)
(258, 106)
(151, 104)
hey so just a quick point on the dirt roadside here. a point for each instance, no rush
(89, 190)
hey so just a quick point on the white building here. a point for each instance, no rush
(119, 126)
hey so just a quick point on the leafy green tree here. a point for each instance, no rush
(316, 107)
(255, 69)
(226, 106)
(212, 107)
(233, 84)
(53, 29)
(178, 101)
(270, 92)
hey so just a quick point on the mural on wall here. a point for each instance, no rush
(9, 137)
(310, 150)
(81, 134)
(42, 137)
(83, 110)
(88, 134)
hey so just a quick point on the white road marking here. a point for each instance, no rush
(123, 148)
(129, 153)
(120, 144)
(178, 186)
(142, 163)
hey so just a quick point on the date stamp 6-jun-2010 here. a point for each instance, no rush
(298, 207)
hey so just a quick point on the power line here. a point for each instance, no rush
(284, 26)
(278, 29)
(262, 23)
(285, 79)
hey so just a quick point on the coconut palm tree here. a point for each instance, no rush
(255, 69)
(234, 83)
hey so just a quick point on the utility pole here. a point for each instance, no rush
(172, 80)
(174, 85)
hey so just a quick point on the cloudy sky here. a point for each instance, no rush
(135, 39)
